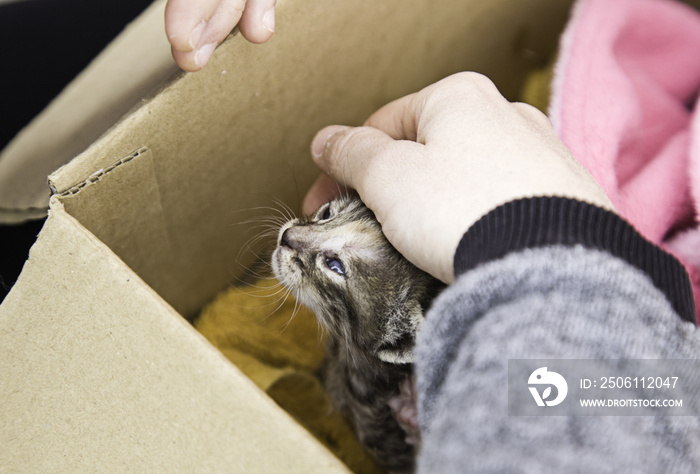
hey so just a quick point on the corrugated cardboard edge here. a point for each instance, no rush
(96, 175)
(103, 375)
(133, 67)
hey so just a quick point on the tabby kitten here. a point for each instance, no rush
(371, 301)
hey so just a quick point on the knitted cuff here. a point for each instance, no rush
(543, 221)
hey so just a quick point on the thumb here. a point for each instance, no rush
(355, 156)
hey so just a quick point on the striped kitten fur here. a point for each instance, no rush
(371, 302)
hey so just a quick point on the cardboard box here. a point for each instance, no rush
(131, 69)
(100, 369)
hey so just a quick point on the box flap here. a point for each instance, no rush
(133, 67)
(100, 374)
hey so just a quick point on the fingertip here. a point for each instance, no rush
(257, 24)
(202, 55)
(193, 61)
(323, 190)
(268, 20)
(256, 36)
(309, 204)
(185, 23)
(195, 35)
(320, 140)
(185, 60)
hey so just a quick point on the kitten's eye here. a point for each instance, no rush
(335, 265)
(326, 214)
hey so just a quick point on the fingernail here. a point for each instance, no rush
(203, 54)
(196, 35)
(268, 20)
(318, 145)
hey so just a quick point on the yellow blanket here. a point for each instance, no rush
(279, 348)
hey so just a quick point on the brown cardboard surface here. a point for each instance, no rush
(100, 374)
(235, 135)
(130, 69)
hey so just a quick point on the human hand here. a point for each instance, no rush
(432, 163)
(196, 27)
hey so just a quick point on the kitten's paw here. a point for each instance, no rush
(404, 408)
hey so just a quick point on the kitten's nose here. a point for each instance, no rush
(294, 238)
(285, 241)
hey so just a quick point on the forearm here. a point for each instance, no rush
(554, 301)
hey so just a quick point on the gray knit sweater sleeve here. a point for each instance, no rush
(564, 302)
(552, 278)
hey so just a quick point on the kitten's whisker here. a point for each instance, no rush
(288, 212)
(248, 246)
(296, 185)
(284, 300)
(321, 331)
(294, 313)
(264, 219)
(267, 275)
(261, 208)
(263, 293)
(249, 272)
(268, 219)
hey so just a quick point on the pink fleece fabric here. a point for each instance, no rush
(624, 102)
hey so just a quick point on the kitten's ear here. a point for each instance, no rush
(396, 356)
(399, 350)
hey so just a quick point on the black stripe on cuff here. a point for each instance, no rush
(542, 221)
